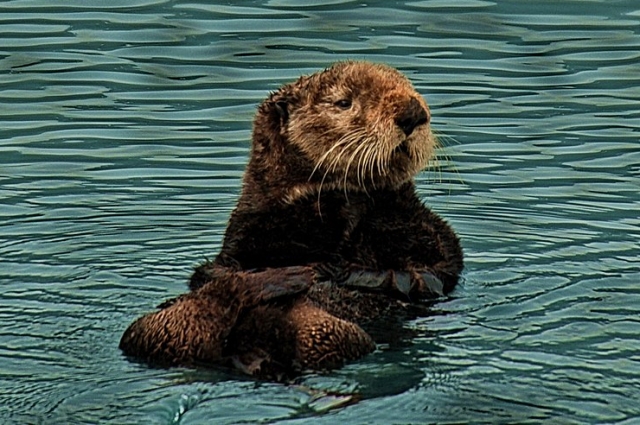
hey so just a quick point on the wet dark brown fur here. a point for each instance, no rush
(328, 233)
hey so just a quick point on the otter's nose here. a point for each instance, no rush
(411, 116)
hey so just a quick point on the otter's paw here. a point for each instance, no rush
(206, 273)
(412, 284)
(369, 280)
(331, 272)
(279, 282)
(424, 284)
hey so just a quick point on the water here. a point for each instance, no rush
(124, 133)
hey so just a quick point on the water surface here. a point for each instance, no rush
(124, 133)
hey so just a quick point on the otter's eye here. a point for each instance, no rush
(343, 103)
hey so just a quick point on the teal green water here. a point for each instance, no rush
(124, 129)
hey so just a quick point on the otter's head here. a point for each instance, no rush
(356, 126)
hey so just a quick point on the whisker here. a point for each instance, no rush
(342, 145)
(363, 164)
(363, 146)
(336, 145)
(338, 158)
(440, 152)
(370, 163)
(348, 165)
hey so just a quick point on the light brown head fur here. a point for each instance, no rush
(356, 126)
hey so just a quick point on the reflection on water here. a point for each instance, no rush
(125, 129)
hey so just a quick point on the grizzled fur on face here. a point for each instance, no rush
(355, 126)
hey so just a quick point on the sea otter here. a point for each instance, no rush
(327, 236)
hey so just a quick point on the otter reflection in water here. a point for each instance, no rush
(327, 237)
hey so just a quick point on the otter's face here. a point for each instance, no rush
(362, 126)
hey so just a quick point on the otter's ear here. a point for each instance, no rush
(283, 103)
(282, 107)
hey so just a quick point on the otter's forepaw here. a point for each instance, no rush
(414, 284)
(335, 273)
(425, 284)
(368, 280)
(278, 282)
(205, 273)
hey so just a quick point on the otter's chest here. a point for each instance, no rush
(326, 225)
(307, 231)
